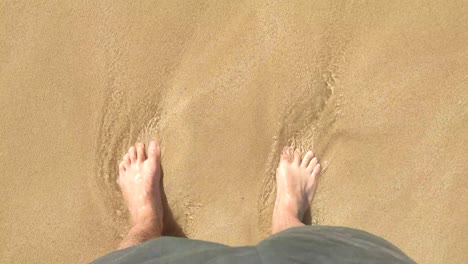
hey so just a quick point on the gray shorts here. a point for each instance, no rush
(307, 244)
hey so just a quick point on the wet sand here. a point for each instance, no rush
(377, 90)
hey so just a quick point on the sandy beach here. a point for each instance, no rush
(377, 89)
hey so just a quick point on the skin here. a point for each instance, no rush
(296, 181)
(140, 179)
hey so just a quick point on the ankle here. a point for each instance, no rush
(289, 207)
(287, 213)
(149, 228)
(283, 222)
(140, 233)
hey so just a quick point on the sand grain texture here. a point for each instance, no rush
(378, 90)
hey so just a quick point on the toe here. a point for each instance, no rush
(154, 151)
(312, 164)
(126, 161)
(122, 168)
(132, 154)
(286, 154)
(297, 156)
(316, 170)
(307, 157)
(141, 156)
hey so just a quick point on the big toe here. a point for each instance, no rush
(154, 151)
(286, 154)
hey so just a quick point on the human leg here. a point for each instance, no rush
(296, 180)
(139, 180)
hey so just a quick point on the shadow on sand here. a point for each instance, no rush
(171, 227)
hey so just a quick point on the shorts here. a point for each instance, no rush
(306, 244)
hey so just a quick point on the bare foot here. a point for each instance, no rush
(296, 180)
(139, 180)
